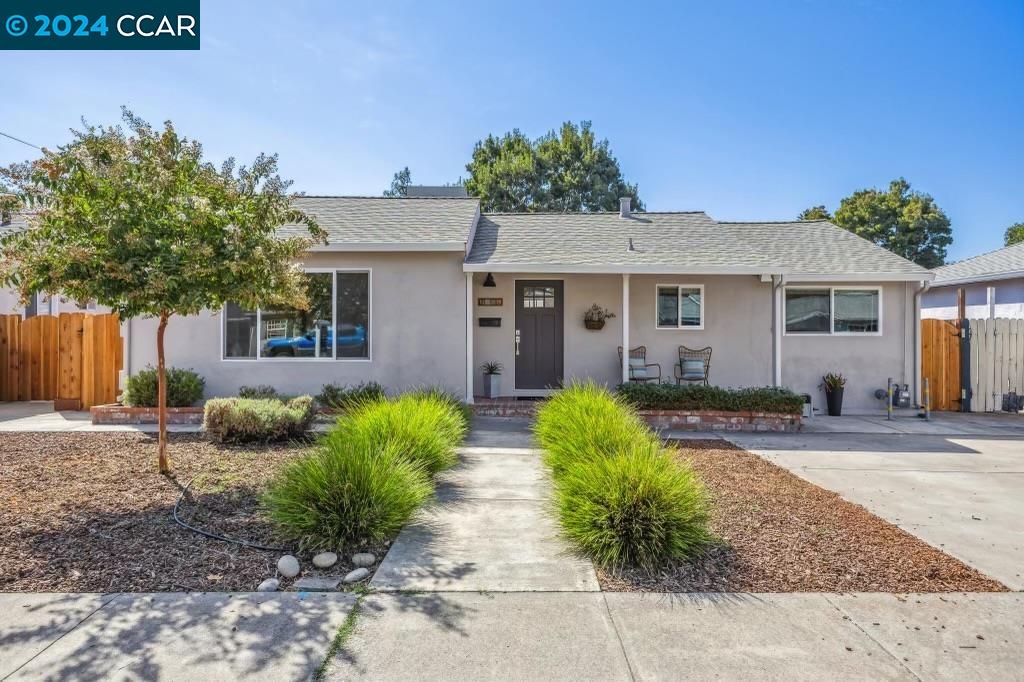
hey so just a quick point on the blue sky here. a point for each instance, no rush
(745, 110)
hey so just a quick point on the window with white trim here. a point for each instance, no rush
(833, 310)
(680, 306)
(336, 324)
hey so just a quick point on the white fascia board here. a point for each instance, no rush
(977, 279)
(695, 270)
(390, 246)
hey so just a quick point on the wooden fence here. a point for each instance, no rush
(73, 359)
(996, 353)
(940, 363)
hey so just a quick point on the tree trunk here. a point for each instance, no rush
(161, 392)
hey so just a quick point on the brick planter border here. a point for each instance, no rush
(122, 414)
(714, 420)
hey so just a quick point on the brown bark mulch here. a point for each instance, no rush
(88, 512)
(780, 533)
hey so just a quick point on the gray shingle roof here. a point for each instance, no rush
(680, 241)
(378, 220)
(1006, 262)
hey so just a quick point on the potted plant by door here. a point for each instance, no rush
(595, 317)
(492, 378)
(833, 383)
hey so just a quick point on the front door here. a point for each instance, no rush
(538, 334)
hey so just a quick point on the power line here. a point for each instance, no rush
(18, 139)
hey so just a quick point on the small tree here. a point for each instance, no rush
(399, 184)
(140, 223)
(815, 213)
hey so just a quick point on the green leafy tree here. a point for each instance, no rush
(1014, 234)
(139, 222)
(906, 222)
(565, 170)
(399, 184)
(815, 213)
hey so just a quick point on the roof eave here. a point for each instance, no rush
(642, 269)
(975, 279)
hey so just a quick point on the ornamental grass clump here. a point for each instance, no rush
(584, 422)
(636, 508)
(423, 427)
(349, 491)
(621, 499)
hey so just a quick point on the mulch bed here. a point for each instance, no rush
(780, 533)
(88, 512)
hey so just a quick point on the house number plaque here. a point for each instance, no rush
(490, 301)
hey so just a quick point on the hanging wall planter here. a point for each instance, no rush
(596, 316)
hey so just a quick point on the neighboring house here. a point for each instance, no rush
(421, 291)
(992, 285)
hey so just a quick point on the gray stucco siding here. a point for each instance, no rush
(941, 302)
(417, 333)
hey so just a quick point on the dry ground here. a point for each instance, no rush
(88, 512)
(781, 533)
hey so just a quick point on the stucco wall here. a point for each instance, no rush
(866, 361)
(737, 325)
(940, 302)
(417, 333)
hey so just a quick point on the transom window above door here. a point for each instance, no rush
(680, 306)
(538, 297)
(336, 324)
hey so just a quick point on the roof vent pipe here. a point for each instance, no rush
(624, 206)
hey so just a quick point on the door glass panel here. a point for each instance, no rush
(538, 297)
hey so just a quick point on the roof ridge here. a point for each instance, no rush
(364, 196)
(771, 222)
(586, 213)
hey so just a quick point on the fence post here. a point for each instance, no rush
(965, 365)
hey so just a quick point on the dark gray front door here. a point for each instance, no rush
(538, 334)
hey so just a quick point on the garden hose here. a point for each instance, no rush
(214, 536)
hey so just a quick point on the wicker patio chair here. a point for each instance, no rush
(694, 365)
(641, 371)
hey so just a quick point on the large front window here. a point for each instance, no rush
(835, 310)
(335, 324)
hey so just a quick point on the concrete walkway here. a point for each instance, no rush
(907, 422)
(490, 529)
(38, 415)
(281, 636)
(962, 494)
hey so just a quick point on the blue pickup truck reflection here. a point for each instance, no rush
(351, 343)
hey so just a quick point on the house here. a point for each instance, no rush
(421, 291)
(987, 286)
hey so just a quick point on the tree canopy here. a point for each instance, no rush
(140, 223)
(904, 221)
(565, 170)
(399, 184)
(1014, 234)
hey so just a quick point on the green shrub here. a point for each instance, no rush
(346, 492)
(246, 420)
(584, 422)
(184, 388)
(620, 498)
(698, 397)
(260, 392)
(637, 508)
(447, 397)
(424, 428)
(340, 397)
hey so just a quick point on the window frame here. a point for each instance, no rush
(679, 326)
(831, 308)
(333, 357)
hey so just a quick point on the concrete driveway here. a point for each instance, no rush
(961, 493)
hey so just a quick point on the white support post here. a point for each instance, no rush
(625, 328)
(777, 325)
(990, 300)
(469, 338)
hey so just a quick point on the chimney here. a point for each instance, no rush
(624, 207)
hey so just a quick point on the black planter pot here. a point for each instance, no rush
(834, 399)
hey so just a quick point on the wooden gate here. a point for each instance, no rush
(940, 362)
(73, 359)
(996, 362)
